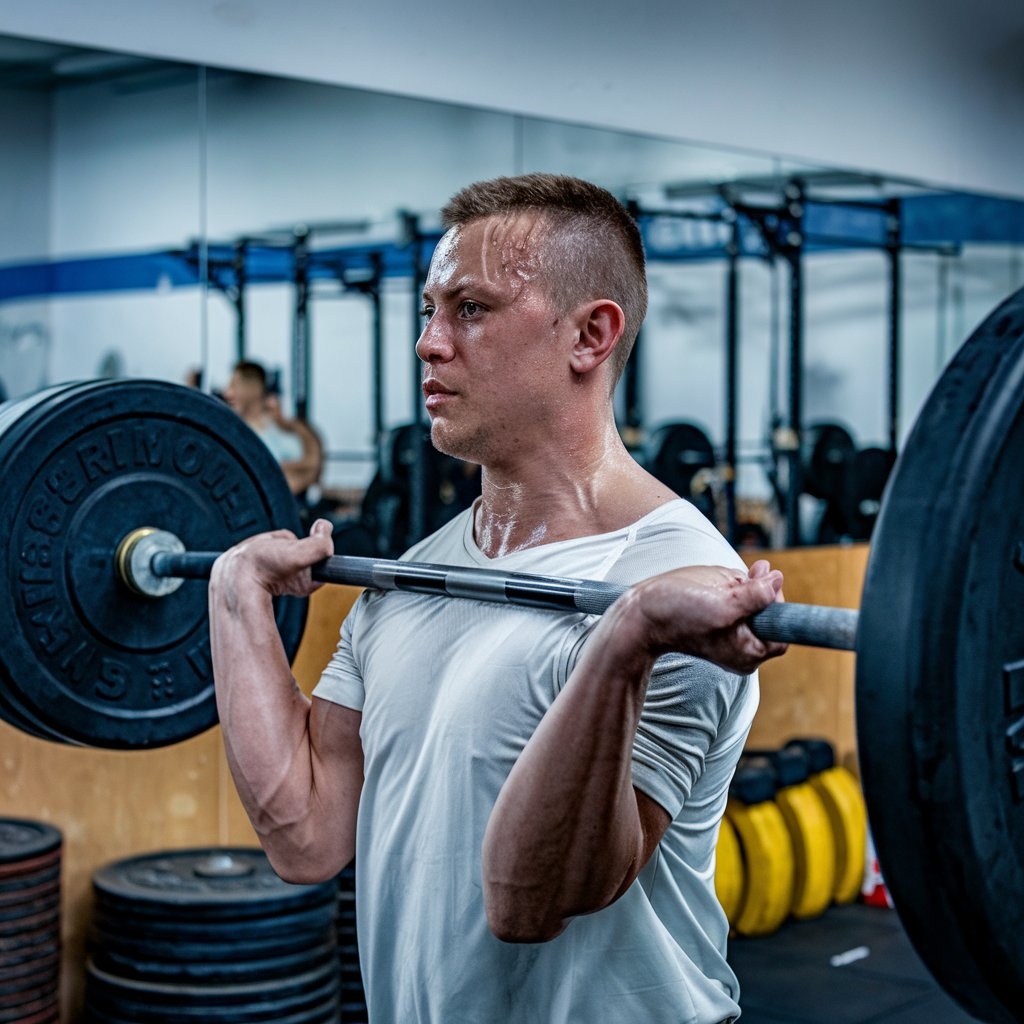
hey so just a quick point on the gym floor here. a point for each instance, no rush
(854, 965)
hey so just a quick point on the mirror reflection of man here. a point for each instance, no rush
(292, 443)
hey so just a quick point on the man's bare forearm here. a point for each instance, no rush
(300, 796)
(566, 836)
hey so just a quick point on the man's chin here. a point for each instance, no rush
(450, 442)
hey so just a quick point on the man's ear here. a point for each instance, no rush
(599, 327)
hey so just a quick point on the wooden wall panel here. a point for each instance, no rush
(810, 691)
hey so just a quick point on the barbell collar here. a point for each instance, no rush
(811, 625)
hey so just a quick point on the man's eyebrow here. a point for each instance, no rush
(453, 290)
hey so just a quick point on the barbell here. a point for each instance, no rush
(116, 493)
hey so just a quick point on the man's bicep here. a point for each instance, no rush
(654, 822)
(334, 735)
(337, 760)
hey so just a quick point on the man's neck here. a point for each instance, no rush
(564, 492)
(256, 418)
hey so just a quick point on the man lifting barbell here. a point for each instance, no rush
(510, 768)
(119, 494)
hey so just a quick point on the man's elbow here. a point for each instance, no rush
(514, 926)
(518, 915)
(303, 859)
(304, 870)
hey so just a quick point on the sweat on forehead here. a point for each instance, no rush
(503, 246)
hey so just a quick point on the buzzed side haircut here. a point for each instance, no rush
(597, 252)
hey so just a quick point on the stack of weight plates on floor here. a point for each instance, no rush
(30, 854)
(793, 838)
(210, 935)
(353, 998)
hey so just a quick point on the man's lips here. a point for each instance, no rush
(435, 393)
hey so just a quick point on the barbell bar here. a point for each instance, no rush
(153, 562)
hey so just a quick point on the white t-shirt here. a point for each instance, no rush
(284, 445)
(450, 692)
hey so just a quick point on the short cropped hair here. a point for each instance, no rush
(598, 251)
(252, 372)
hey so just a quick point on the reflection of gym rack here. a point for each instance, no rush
(321, 272)
(778, 219)
(785, 219)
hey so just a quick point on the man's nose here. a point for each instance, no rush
(434, 345)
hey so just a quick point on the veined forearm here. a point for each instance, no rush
(566, 837)
(298, 766)
(264, 716)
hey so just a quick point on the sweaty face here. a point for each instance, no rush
(493, 345)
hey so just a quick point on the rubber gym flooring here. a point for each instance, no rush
(854, 965)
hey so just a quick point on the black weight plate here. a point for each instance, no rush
(84, 659)
(154, 993)
(32, 953)
(13, 912)
(43, 1012)
(149, 1003)
(23, 840)
(12, 899)
(47, 1015)
(11, 710)
(30, 1013)
(677, 452)
(48, 917)
(940, 675)
(233, 880)
(863, 485)
(45, 990)
(26, 942)
(825, 450)
(212, 972)
(18, 883)
(28, 980)
(33, 868)
(309, 922)
(29, 970)
(128, 945)
(325, 1012)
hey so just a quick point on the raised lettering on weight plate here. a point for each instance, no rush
(115, 449)
(113, 680)
(198, 658)
(161, 680)
(52, 635)
(65, 482)
(46, 516)
(147, 446)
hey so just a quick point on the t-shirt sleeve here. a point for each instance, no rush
(341, 681)
(687, 701)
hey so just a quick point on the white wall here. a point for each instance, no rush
(126, 175)
(931, 88)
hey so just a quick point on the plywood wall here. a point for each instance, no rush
(113, 804)
(809, 692)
